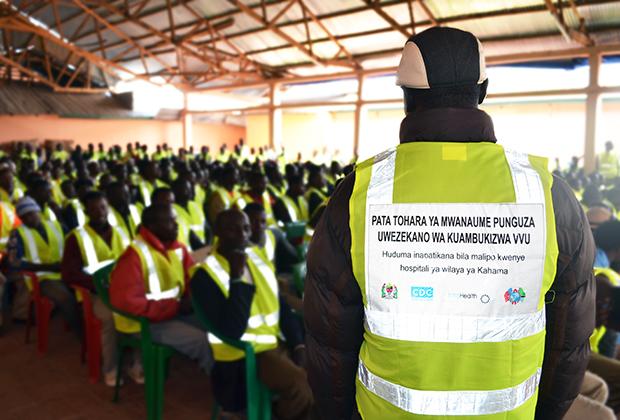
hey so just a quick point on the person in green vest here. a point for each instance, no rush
(37, 246)
(607, 163)
(411, 305)
(87, 249)
(237, 289)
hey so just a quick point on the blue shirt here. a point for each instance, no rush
(601, 260)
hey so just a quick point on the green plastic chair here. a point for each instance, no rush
(299, 277)
(154, 356)
(295, 232)
(258, 396)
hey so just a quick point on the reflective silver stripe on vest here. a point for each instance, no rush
(265, 270)
(89, 249)
(449, 403)
(290, 207)
(526, 181)
(153, 277)
(251, 338)
(221, 275)
(112, 220)
(57, 236)
(32, 245)
(146, 196)
(124, 238)
(135, 215)
(259, 320)
(453, 329)
(79, 213)
(51, 214)
(9, 212)
(270, 245)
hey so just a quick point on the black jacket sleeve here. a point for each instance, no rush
(333, 311)
(285, 253)
(228, 315)
(291, 325)
(571, 308)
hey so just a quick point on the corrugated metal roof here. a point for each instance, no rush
(506, 26)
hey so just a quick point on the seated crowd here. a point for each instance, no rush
(599, 194)
(226, 232)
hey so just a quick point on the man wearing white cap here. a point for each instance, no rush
(448, 277)
(37, 246)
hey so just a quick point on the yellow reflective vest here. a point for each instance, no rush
(8, 222)
(164, 278)
(453, 248)
(190, 219)
(263, 325)
(297, 208)
(609, 167)
(135, 214)
(96, 253)
(271, 221)
(38, 251)
(599, 332)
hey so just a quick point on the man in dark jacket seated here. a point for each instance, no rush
(237, 289)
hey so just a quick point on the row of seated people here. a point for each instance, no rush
(235, 281)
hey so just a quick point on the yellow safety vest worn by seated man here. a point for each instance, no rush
(161, 279)
(8, 222)
(191, 219)
(38, 251)
(115, 219)
(453, 248)
(263, 325)
(96, 253)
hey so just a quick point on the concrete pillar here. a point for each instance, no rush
(593, 111)
(358, 117)
(187, 121)
(275, 117)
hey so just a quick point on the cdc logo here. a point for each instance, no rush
(421, 293)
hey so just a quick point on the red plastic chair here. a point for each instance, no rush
(42, 310)
(92, 335)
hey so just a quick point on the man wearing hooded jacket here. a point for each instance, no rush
(388, 343)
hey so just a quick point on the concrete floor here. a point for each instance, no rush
(56, 387)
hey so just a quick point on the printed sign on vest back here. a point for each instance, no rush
(455, 259)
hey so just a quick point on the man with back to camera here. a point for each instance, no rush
(388, 336)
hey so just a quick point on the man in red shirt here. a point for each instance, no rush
(150, 280)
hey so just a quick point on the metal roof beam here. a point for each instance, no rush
(569, 33)
(376, 6)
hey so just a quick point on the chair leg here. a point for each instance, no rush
(161, 368)
(29, 321)
(94, 353)
(43, 315)
(150, 386)
(119, 370)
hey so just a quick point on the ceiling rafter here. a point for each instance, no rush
(376, 6)
(580, 36)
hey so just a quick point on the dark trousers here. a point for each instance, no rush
(278, 372)
(64, 300)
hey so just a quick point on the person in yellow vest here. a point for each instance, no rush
(8, 191)
(316, 193)
(396, 326)
(190, 216)
(226, 195)
(56, 179)
(41, 191)
(37, 246)
(88, 248)
(607, 163)
(270, 240)
(292, 207)
(276, 184)
(257, 193)
(149, 181)
(151, 280)
(122, 213)
(237, 289)
(60, 153)
(73, 211)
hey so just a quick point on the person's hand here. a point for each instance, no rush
(237, 261)
(299, 356)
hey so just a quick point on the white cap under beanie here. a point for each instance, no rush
(441, 57)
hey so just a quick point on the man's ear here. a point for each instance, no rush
(483, 91)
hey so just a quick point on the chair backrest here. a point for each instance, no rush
(299, 277)
(101, 278)
(295, 231)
